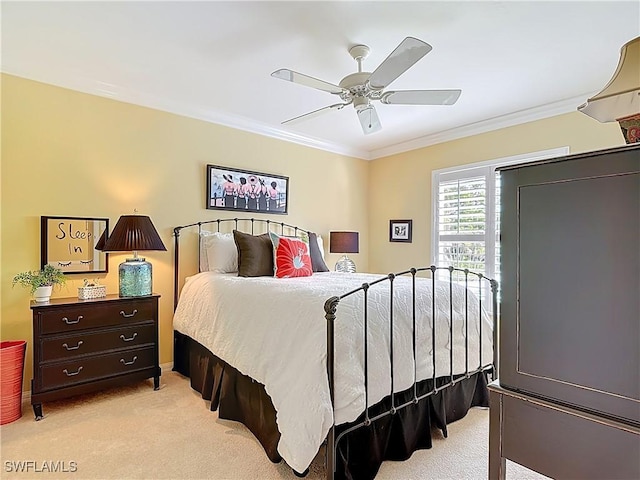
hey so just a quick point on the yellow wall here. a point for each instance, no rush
(69, 153)
(400, 185)
(72, 154)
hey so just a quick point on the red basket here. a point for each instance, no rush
(11, 370)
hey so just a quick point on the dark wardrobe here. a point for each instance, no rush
(567, 399)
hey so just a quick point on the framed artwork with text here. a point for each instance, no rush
(69, 243)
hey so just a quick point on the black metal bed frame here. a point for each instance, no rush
(331, 308)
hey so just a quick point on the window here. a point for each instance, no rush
(466, 215)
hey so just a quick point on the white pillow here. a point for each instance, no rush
(320, 245)
(202, 243)
(218, 253)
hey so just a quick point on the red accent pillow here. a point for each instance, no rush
(291, 257)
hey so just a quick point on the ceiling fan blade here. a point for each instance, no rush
(399, 61)
(421, 97)
(320, 111)
(369, 119)
(295, 77)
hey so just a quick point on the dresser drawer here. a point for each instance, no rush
(79, 344)
(92, 368)
(82, 346)
(81, 317)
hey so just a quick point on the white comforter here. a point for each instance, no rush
(274, 331)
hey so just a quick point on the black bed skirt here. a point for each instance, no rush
(359, 453)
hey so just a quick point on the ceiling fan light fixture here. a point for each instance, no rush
(361, 88)
(361, 103)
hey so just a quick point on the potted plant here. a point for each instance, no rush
(41, 282)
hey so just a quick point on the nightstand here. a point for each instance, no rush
(80, 346)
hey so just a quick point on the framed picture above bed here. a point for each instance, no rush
(246, 191)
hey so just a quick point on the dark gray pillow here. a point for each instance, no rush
(317, 262)
(255, 254)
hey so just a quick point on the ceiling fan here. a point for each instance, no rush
(361, 88)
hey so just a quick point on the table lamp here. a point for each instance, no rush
(101, 241)
(134, 233)
(344, 242)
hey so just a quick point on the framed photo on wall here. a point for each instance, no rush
(400, 230)
(246, 191)
(69, 243)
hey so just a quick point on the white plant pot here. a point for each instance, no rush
(43, 294)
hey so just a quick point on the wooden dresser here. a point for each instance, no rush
(81, 346)
(567, 399)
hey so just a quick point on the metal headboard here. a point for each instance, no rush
(247, 225)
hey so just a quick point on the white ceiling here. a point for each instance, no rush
(514, 61)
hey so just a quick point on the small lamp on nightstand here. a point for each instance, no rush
(134, 233)
(101, 241)
(344, 242)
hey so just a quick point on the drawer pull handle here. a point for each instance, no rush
(125, 315)
(125, 339)
(71, 374)
(72, 348)
(128, 363)
(71, 322)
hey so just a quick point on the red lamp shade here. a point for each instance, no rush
(343, 242)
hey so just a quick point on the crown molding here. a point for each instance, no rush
(114, 92)
(523, 116)
(259, 128)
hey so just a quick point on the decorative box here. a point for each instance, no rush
(92, 291)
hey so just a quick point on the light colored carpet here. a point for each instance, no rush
(135, 432)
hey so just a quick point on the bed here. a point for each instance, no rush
(288, 357)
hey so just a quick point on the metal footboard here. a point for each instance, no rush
(331, 306)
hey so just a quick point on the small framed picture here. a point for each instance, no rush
(400, 230)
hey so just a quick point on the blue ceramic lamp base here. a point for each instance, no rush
(135, 277)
